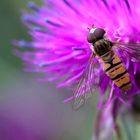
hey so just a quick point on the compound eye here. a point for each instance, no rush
(91, 38)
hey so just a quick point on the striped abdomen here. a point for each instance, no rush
(116, 70)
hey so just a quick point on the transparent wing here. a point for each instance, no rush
(129, 50)
(86, 86)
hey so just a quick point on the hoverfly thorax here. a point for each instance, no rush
(102, 47)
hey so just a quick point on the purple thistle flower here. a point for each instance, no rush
(60, 50)
(59, 32)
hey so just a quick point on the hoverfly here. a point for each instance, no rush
(112, 64)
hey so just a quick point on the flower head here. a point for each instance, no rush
(59, 49)
(59, 46)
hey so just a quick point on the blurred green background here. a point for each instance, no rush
(30, 110)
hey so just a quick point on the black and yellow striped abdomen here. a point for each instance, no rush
(116, 70)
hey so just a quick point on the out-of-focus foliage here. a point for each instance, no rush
(30, 110)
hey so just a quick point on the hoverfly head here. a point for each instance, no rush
(95, 34)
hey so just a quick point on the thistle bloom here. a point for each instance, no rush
(59, 48)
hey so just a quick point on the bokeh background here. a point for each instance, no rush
(30, 110)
